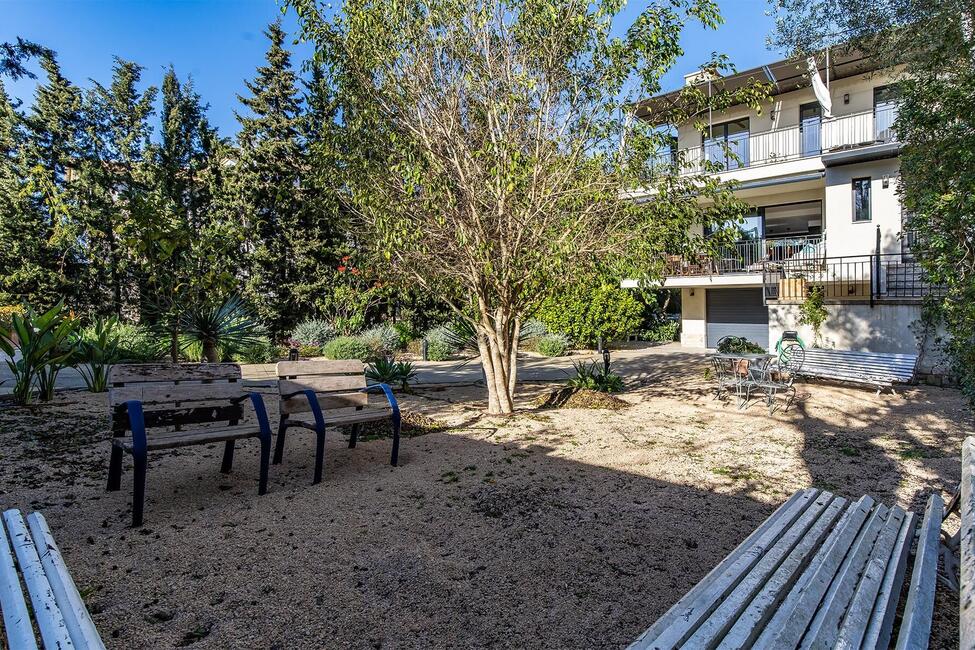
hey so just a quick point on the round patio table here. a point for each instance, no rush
(745, 369)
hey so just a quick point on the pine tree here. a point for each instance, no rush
(269, 192)
(44, 239)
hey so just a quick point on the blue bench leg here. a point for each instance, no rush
(319, 456)
(228, 457)
(279, 445)
(115, 469)
(354, 436)
(265, 461)
(139, 489)
(394, 457)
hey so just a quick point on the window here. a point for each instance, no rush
(810, 123)
(724, 138)
(861, 199)
(885, 100)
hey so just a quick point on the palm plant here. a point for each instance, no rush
(219, 327)
(45, 346)
(95, 352)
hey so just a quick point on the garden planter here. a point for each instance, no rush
(793, 289)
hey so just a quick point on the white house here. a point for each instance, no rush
(825, 212)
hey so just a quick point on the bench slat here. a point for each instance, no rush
(749, 625)
(731, 607)
(967, 535)
(861, 607)
(698, 604)
(881, 623)
(326, 401)
(50, 622)
(789, 623)
(167, 372)
(302, 368)
(825, 624)
(916, 625)
(16, 618)
(72, 607)
(168, 393)
(173, 439)
(222, 413)
(323, 383)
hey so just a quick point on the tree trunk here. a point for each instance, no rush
(498, 345)
(174, 346)
(211, 354)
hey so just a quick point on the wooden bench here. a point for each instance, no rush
(820, 572)
(335, 394)
(29, 555)
(168, 397)
(870, 368)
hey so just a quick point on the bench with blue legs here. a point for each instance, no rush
(165, 406)
(315, 395)
(48, 606)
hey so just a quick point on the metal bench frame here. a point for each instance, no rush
(336, 394)
(880, 370)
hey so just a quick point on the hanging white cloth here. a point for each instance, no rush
(819, 88)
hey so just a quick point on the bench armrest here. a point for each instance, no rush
(393, 404)
(257, 400)
(137, 425)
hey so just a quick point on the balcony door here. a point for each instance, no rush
(727, 138)
(810, 128)
(884, 113)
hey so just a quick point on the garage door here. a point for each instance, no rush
(737, 312)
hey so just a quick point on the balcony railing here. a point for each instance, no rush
(856, 278)
(790, 143)
(749, 256)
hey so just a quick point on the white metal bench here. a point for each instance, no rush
(820, 572)
(876, 369)
(28, 554)
(966, 537)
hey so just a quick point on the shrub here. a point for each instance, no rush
(7, 313)
(592, 310)
(595, 376)
(96, 349)
(347, 347)
(45, 343)
(138, 343)
(313, 331)
(739, 345)
(441, 343)
(382, 339)
(813, 312)
(552, 345)
(664, 331)
(310, 350)
(406, 334)
(262, 351)
(394, 373)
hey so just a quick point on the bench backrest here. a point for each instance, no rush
(967, 543)
(337, 384)
(176, 394)
(859, 365)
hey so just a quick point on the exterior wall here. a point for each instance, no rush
(843, 235)
(693, 316)
(887, 328)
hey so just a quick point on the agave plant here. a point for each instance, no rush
(45, 346)
(95, 351)
(224, 327)
(387, 371)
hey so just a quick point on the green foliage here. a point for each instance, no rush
(218, 329)
(442, 343)
(347, 347)
(552, 345)
(589, 311)
(739, 345)
(313, 332)
(394, 373)
(138, 344)
(45, 347)
(595, 376)
(405, 332)
(664, 331)
(260, 351)
(97, 347)
(813, 312)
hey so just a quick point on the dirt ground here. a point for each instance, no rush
(555, 528)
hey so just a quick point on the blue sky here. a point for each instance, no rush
(219, 42)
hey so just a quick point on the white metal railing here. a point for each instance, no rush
(792, 142)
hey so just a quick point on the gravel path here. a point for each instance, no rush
(550, 529)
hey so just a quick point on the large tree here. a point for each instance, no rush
(491, 146)
(933, 41)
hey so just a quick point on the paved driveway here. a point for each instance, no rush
(639, 365)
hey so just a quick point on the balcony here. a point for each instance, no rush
(810, 139)
(749, 256)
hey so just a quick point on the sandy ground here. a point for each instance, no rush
(552, 528)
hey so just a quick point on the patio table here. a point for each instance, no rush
(740, 371)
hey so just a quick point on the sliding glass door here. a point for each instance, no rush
(727, 144)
